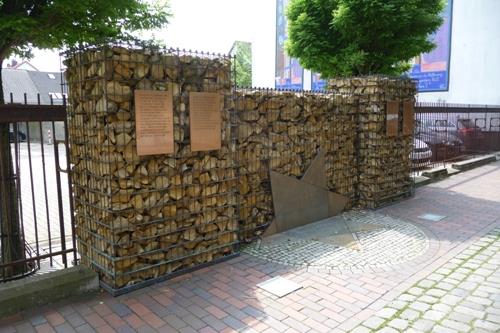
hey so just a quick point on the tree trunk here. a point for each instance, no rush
(11, 241)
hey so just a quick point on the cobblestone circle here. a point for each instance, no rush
(396, 242)
(461, 296)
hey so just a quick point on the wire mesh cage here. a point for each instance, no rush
(283, 131)
(144, 218)
(139, 218)
(383, 160)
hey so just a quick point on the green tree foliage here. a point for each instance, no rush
(25, 24)
(242, 52)
(360, 37)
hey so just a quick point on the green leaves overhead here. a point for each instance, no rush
(358, 37)
(58, 23)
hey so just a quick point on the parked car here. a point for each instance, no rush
(421, 154)
(435, 125)
(20, 136)
(444, 145)
(468, 128)
(441, 125)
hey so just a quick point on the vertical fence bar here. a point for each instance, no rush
(47, 211)
(33, 202)
(70, 191)
(17, 180)
(59, 197)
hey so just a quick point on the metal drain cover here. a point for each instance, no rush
(279, 286)
(432, 217)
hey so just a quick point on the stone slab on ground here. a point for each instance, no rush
(473, 163)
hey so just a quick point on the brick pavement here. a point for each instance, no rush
(224, 297)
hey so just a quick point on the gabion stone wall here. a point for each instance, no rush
(139, 218)
(384, 163)
(283, 132)
(143, 218)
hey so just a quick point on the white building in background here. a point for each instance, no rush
(464, 68)
(474, 69)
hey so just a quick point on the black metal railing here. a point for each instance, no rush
(41, 235)
(447, 133)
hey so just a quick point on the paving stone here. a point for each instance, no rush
(460, 292)
(233, 323)
(37, 320)
(64, 328)
(442, 307)
(450, 299)
(468, 285)
(416, 291)
(407, 297)
(461, 327)
(75, 319)
(120, 309)
(423, 325)
(487, 325)
(495, 318)
(469, 311)
(478, 303)
(25, 327)
(439, 274)
(86, 328)
(464, 269)
(214, 322)
(128, 329)
(492, 310)
(488, 289)
(386, 313)
(426, 284)
(399, 324)
(428, 299)
(388, 330)
(295, 324)
(374, 322)
(456, 276)
(149, 329)
(434, 315)
(419, 306)
(410, 314)
(442, 329)
(479, 293)
(435, 293)
(461, 317)
(473, 277)
(361, 329)
(445, 286)
(397, 304)
(483, 272)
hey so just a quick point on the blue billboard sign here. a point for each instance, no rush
(317, 83)
(289, 74)
(432, 70)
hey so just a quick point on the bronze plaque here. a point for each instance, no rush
(408, 117)
(392, 119)
(154, 122)
(205, 121)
